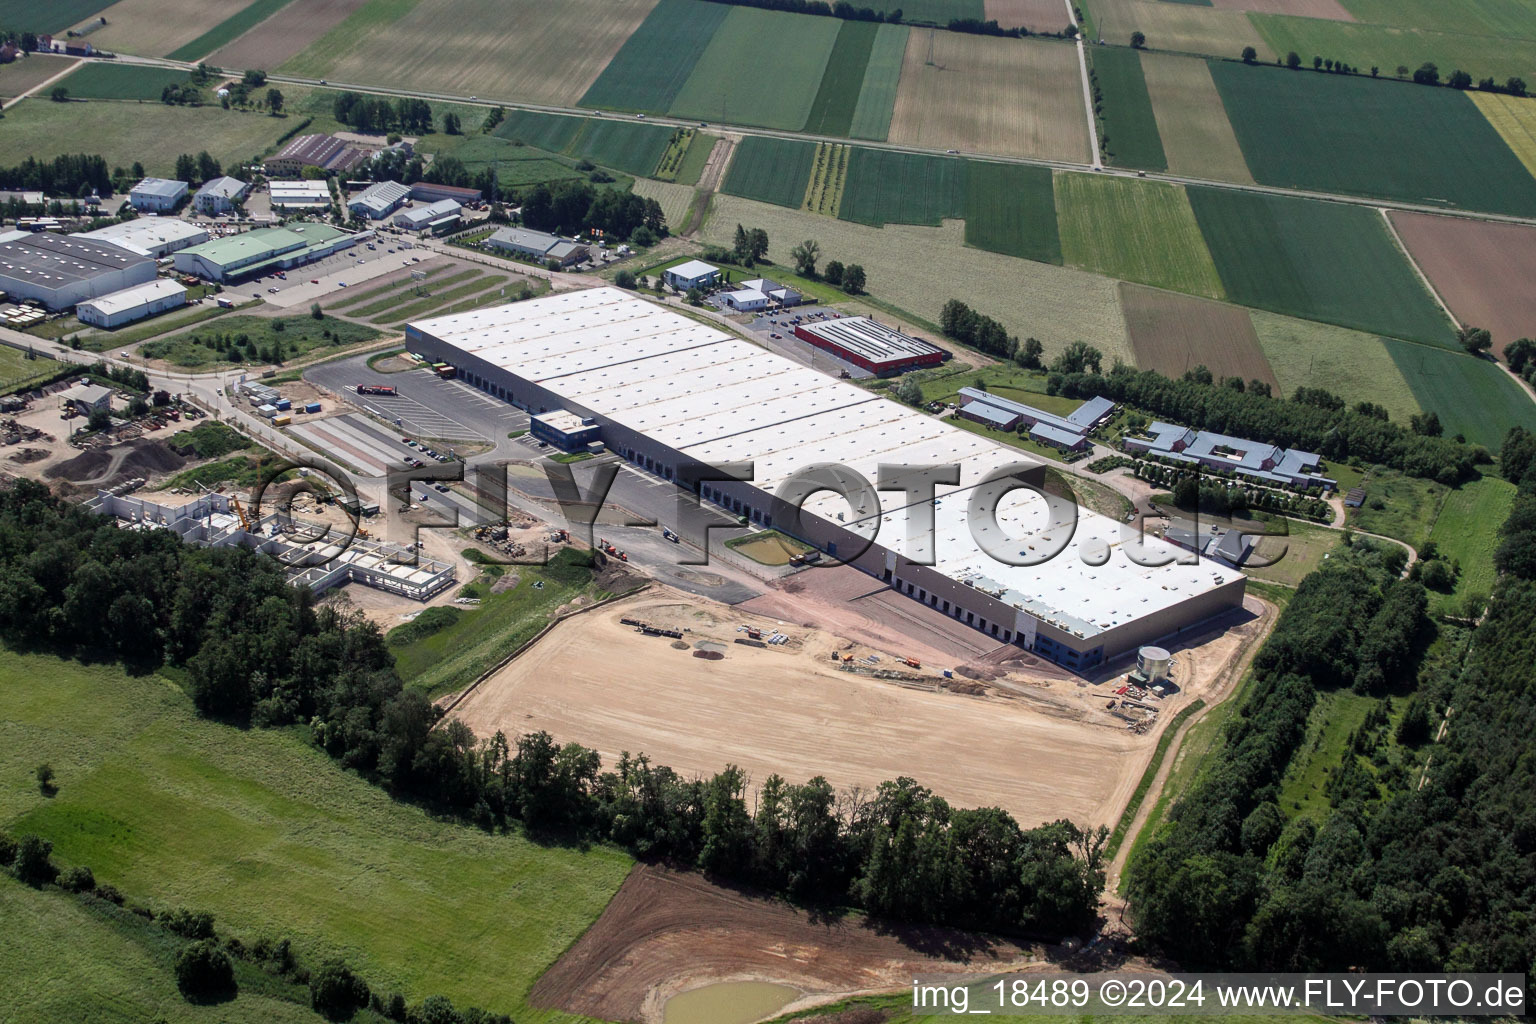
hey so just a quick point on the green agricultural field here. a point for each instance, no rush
(1511, 19)
(1011, 208)
(227, 30)
(52, 17)
(1134, 230)
(270, 836)
(877, 96)
(97, 81)
(1349, 134)
(930, 12)
(552, 132)
(1387, 47)
(1129, 126)
(300, 335)
(1472, 397)
(1467, 530)
(151, 133)
(888, 187)
(836, 101)
(627, 146)
(651, 67)
(697, 157)
(516, 165)
(1355, 366)
(761, 68)
(770, 170)
(1317, 261)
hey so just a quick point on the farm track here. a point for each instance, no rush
(742, 130)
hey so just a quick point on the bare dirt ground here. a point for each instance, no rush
(276, 39)
(1035, 15)
(665, 931)
(1172, 333)
(1482, 270)
(1037, 743)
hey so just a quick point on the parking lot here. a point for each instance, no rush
(425, 405)
(776, 330)
(325, 278)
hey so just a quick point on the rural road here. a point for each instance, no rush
(1082, 63)
(1065, 165)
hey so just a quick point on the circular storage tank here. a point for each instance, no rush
(1153, 662)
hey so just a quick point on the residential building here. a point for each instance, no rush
(1069, 433)
(1264, 463)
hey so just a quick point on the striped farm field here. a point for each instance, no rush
(824, 194)
(1191, 120)
(650, 68)
(882, 74)
(496, 49)
(1011, 209)
(52, 17)
(984, 94)
(761, 68)
(672, 198)
(1481, 269)
(1134, 230)
(228, 30)
(1508, 18)
(553, 132)
(1318, 261)
(929, 12)
(838, 97)
(276, 40)
(1179, 27)
(1473, 397)
(887, 187)
(771, 170)
(628, 146)
(1055, 304)
(1173, 333)
(1351, 134)
(1353, 365)
(1387, 46)
(152, 28)
(1130, 133)
(1514, 118)
(1035, 15)
(1331, 9)
(99, 81)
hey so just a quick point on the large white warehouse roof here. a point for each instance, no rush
(719, 399)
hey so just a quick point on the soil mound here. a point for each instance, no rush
(104, 467)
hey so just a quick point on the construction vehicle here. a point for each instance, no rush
(245, 520)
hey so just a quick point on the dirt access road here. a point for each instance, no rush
(1041, 749)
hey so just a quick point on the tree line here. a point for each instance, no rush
(376, 114)
(255, 650)
(1314, 420)
(848, 12)
(70, 174)
(575, 207)
(1425, 870)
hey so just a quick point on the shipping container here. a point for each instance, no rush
(282, 420)
(284, 404)
(312, 407)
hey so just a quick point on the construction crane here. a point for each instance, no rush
(245, 520)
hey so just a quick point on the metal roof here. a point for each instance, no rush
(871, 339)
(133, 298)
(162, 187)
(381, 196)
(606, 352)
(146, 234)
(427, 214)
(264, 241)
(692, 270)
(225, 187)
(56, 260)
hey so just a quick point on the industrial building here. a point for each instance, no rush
(326, 152)
(1069, 433)
(678, 398)
(539, 245)
(438, 216)
(759, 294)
(1260, 462)
(314, 556)
(156, 237)
(220, 195)
(564, 429)
(132, 304)
(379, 200)
(693, 274)
(86, 398)
(59, 271)
(870, 345)
(265, 250)
(299, 195)
(157, 195)
(429, 192)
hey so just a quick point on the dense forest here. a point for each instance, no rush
(254, 649)
(69, 174)
(1313, 420)
(1424, 856)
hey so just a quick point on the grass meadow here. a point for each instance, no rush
(1134, 230)
(270, 836)
(1353, 365)
(17, 372)
(761, 68)
(1011, 209)
(1467, 530)
(887, 187)
(650, 68)
(301, 335)
(882, 75)
(1514, 118)
(1387, 47)
(1130, 128)
(1317, 261)
(1179, 27)
(770, 170)
(97, 81)
(1349, 134)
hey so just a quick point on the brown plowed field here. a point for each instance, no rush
(666, 931)
(152, 28)
(1172, 333)
(1482, 270)
(1035, 15)
(278, 38)
(1330, 9)
(983, 94)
